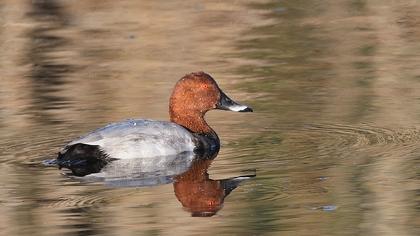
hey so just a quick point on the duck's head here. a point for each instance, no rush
(195, 94)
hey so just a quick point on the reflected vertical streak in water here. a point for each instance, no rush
(47, 73)
(393, 204)
(45, 76)
(1, 42)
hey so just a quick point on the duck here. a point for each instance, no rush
(187, 131)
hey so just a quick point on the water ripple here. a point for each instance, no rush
(362, 135)
(75, 201)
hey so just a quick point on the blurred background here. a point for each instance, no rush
(334, 137)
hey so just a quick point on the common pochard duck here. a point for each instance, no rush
(193, 95)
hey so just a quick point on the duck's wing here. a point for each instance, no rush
(139, 138)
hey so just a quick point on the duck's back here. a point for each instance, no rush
(139, 139)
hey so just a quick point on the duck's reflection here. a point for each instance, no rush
(193, 187)
(201, 195)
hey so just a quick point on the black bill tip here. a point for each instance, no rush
(225, 103)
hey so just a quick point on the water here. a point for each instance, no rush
(333, 140)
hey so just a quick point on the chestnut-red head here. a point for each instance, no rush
(194, 95)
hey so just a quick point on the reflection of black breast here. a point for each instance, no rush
(207, 145)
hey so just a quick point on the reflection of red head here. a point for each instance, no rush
(200, 195)
(197, 193)
(200, 198)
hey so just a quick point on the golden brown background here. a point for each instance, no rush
(334, 137)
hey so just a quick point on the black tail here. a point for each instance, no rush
(83, 159)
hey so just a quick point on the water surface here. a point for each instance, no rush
(333, 140)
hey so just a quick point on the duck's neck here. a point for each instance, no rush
(194, 121)
(208, 143)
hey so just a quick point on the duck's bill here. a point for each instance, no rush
(225, 103)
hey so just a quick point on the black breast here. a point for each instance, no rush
(207, 145)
